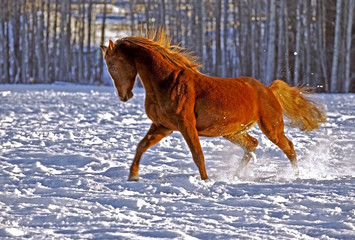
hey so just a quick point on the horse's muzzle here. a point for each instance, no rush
(126, 97)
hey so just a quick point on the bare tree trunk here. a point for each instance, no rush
(179, 20)
(62, 53)
(43, 47)
(298, 44)
(242, 40)
(48, 23)
(348, 37)
(68, 43)
(307, 36)
(7, 51)
(102, 43)
(24, 49)
(2, 20)
(218, 38)
(39, 49)
(337, 35)
(253, 46)
(162, 13)
(201, 28)
(236, 62)
(287, 50)
(33, 54)
(321, 38)
(261, 36)
(83, 78)
(146, 11)
(209, 39)
(131, 14)
(186, 22)
(271, 45)
(16, 41)
(193, 28)
(5, 76)
(281, 40)
(2, 47)
(55, 57)
(224, 62)
(89, 70)
(172, 21)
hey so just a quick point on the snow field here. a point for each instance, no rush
(65, 153)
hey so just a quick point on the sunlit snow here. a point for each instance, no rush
(65, 153)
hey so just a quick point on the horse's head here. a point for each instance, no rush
(121, 68)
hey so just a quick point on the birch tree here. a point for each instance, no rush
(348, 39)
(101, 65)
(24, 49)
(218, 38)
(333, 79)
(321, 43)
(16, 7)
(297, 52)
(270, 59)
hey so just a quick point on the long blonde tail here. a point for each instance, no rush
(303, 112)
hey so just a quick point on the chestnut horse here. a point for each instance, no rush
(180, 98)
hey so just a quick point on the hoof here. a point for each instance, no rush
(208, 180)
(297, 174)
(133, 178)
(240, 172)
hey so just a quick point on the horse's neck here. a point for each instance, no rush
(154, 74)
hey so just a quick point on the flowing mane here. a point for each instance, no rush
(160, 43)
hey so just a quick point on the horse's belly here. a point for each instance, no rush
(220, 116)
(223, 127)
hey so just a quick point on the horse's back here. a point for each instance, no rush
(244, 93)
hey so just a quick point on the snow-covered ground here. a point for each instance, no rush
(65, 153)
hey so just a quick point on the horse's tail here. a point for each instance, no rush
(303, 112)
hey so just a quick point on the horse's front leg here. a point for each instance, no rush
(190, 134)
(154, 135)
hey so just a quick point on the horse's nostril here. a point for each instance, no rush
(124, 99)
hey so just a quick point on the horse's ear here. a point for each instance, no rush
(111, 48)
(103, 48)
(111, 45)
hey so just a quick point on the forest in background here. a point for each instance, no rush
(299, 41)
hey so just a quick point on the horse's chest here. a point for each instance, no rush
(159, 116)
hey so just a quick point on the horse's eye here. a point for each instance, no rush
(113, 69)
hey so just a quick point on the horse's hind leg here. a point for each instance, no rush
(276, 134)
(248, 143)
